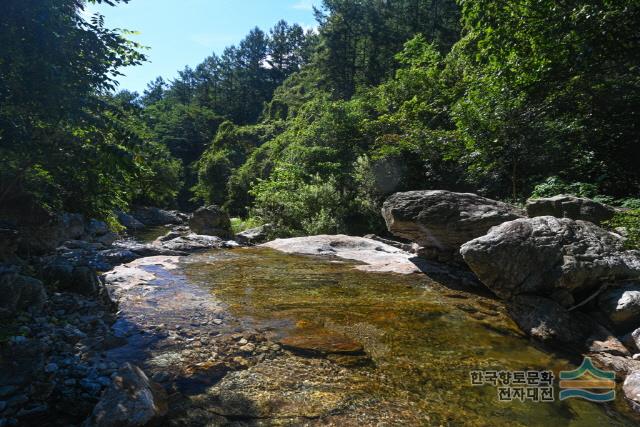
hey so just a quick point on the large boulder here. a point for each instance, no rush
(66, 275)
(621, 304)
(556, 257)
(132, 400)
(255, 235)
(151, 216)
(38, 239)
(211, 221)
(572, 207)
(20, 293)
(129, 221)
(441, 221)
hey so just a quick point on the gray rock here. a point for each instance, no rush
(97, 228)
(441, 221)
(631, 388)
(547, 321)
(51, 368)
(632, 340)
(19, 293)
(132, 400)
(549, 256)
(193, 242)
(254, 235)
(46, 236)
(9, 239)
(211, 221)
(151, 216)
(377, 256)
(129, 221)
(572, 207)
(621, 304)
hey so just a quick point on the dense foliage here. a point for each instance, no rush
(65, 143)
(311, 130)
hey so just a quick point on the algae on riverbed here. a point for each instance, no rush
(423, 340)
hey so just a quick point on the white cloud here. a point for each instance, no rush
(303, 5)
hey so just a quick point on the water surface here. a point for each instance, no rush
(422, 338)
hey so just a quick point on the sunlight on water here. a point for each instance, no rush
(424, 339)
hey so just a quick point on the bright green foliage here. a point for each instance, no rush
(629, 220)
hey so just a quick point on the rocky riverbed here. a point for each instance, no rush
(187, 329)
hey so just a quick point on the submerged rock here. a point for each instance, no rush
(132, 400)
(321, 343)
(377, 256)
(544, 255)
(441, 221)
(576, 208)
(211, 221)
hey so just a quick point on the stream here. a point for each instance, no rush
(253, 336)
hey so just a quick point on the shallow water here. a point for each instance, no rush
(423, 339)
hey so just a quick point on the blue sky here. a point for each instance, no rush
(184, 32)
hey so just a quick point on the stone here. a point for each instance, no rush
(544, 255)
(321, 342)
(51, 368)
(621, 304)
(132, 400)
(441, 221)
(631, 389)
(211, 221)
(47, 235)
(9, 239)
(193, 242)
(20, 293)
(97, 228)
(376, 256)
(254, 235)
(129, 221)
(632, 340)
(603, 341)
(549, 322)
(566, 206)
(151, 216)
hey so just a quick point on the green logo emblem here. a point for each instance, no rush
(584, 381)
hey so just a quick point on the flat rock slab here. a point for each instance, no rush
(377, 256)
(321, 342)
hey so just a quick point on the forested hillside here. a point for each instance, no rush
(310, 131)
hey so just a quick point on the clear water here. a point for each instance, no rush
(423, 338)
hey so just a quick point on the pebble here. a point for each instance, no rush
(70, 381)
(242, 341)
(217, 321)
(90, 386)
(248, 348)
(7, 390)
(17, 400)
(51, 368)
(103, 381)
